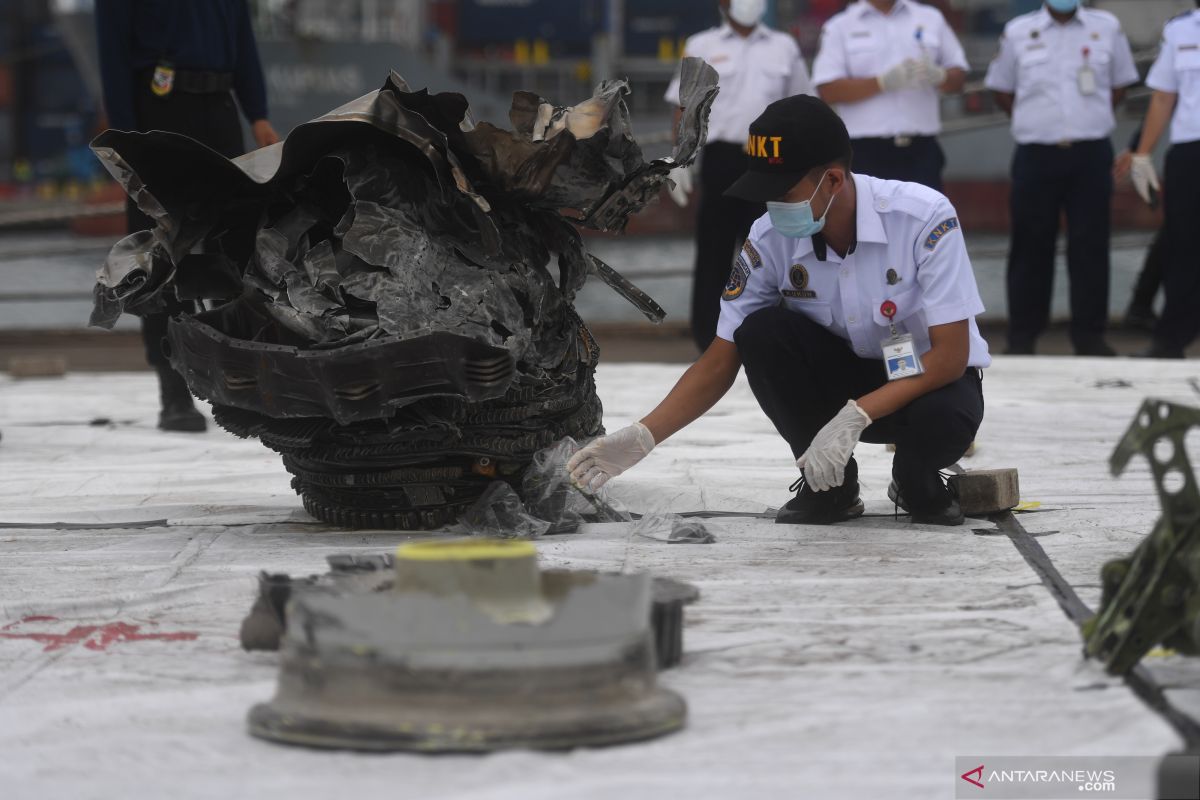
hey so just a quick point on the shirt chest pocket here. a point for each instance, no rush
(1034, 67)
(727, 67)
(1187, 57)
(864, 54)
(907, 303)
(771, 78)
(818, 312)
(1100, 59)
(908, 319)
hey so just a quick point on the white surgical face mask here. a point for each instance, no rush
(747, 12)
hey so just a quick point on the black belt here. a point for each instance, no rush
(1067, 144)
(197, 81)
(902, 140)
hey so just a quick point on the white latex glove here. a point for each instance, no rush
(682, 176)
(607, 457)
(929, 74)
(905, 75)
(1144, 176)
(824, 462)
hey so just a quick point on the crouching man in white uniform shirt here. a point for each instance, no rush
(852, 307)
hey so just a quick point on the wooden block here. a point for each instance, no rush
(987, 491)
(37, 366)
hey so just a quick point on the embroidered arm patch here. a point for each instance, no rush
(939, 233)
(737, 280)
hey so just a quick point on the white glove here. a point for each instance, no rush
(905, 75)
(607, 457)
(1144, 176)
(929, 74)
(682, 176)
(824, 462)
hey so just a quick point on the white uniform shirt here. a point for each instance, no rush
(862, 42)
(1177, 70)
(902, 227)
(755, 70)
(1040, 61)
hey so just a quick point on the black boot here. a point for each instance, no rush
(810, 507)
(926, 496)
(178, 411)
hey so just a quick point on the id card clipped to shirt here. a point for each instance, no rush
(1087, 75)
(900, 357)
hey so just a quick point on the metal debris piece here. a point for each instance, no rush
(373, 297)
(1152, 597)
(263, 627)
(666, 617)
(472, 649)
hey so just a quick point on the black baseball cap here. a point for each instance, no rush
(787, 140)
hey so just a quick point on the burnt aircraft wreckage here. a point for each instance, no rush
(372, 298)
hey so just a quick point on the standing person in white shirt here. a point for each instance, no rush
(1060, 73)
(757, 66)
(1175, 79)
(852, 307)
(882, 64)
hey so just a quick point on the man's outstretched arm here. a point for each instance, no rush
(704, 383)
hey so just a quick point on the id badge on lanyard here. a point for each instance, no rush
(900, 357)
(1087, 75)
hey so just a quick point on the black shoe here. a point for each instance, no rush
(1019, 349)
(1159, 350)
(178, 412)
(928, 498)
(810, 507)
(1141, 318)
(1097, 348)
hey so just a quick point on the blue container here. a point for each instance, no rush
(567, 25)
(648, 22)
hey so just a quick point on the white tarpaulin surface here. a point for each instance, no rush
(822, 662)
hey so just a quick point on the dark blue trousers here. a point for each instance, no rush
(921, 161)
(1046, 181)
(722, 225)
(1180, 321)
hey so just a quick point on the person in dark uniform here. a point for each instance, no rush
(757, 66)
(1140, 314)
(1175, 79)
(1060, 73)
(175, 66)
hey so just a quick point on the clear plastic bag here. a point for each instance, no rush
(673, 529)
(499, 513)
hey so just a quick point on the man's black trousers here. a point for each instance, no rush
(802, 375)
(919, 160)
(1046, 181)
(1180, 321)
(210, 119)
(722, 225)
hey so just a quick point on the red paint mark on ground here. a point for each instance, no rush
(93, 637)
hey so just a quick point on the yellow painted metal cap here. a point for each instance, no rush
(466, 550)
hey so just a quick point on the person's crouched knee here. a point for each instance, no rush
(760, 329)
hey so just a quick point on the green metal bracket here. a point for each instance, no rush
(1153, 596)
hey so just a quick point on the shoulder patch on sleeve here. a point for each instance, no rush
(738, 277)
(939, 232)
(752, 256)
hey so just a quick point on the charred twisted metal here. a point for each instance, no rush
(377, 299)
(1152, 597)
